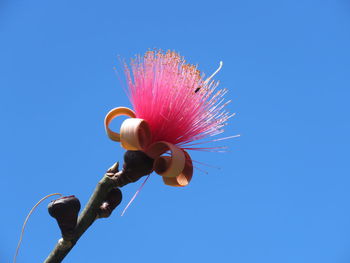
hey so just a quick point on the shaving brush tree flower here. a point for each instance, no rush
(174, 109)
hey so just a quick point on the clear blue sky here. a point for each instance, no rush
(281, 194)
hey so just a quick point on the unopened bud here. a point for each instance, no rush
(65, 210)
(113, 199)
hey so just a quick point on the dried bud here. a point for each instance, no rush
(65, 210)
(137, 163)
(113, 199)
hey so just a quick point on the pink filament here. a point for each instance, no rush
(135, 195)
(174, 99)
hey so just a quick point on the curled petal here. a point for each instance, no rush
(119, 111)
(167, 167)
(135, 134)
(184, 177)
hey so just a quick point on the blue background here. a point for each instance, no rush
(282, 191)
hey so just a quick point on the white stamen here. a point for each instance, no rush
(219, 68)
(25, 223)
(225, 138)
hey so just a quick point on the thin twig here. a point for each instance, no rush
(111, 179)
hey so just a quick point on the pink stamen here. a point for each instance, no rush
(179, 105)
(135, 195)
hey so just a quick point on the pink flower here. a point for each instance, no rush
(175, 108)
(179, 105)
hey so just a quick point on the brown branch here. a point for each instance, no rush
(131, 172)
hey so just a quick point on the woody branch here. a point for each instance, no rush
(136, 165)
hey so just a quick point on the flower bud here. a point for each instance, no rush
(113, 199)
(65, 210)
(137, 162)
